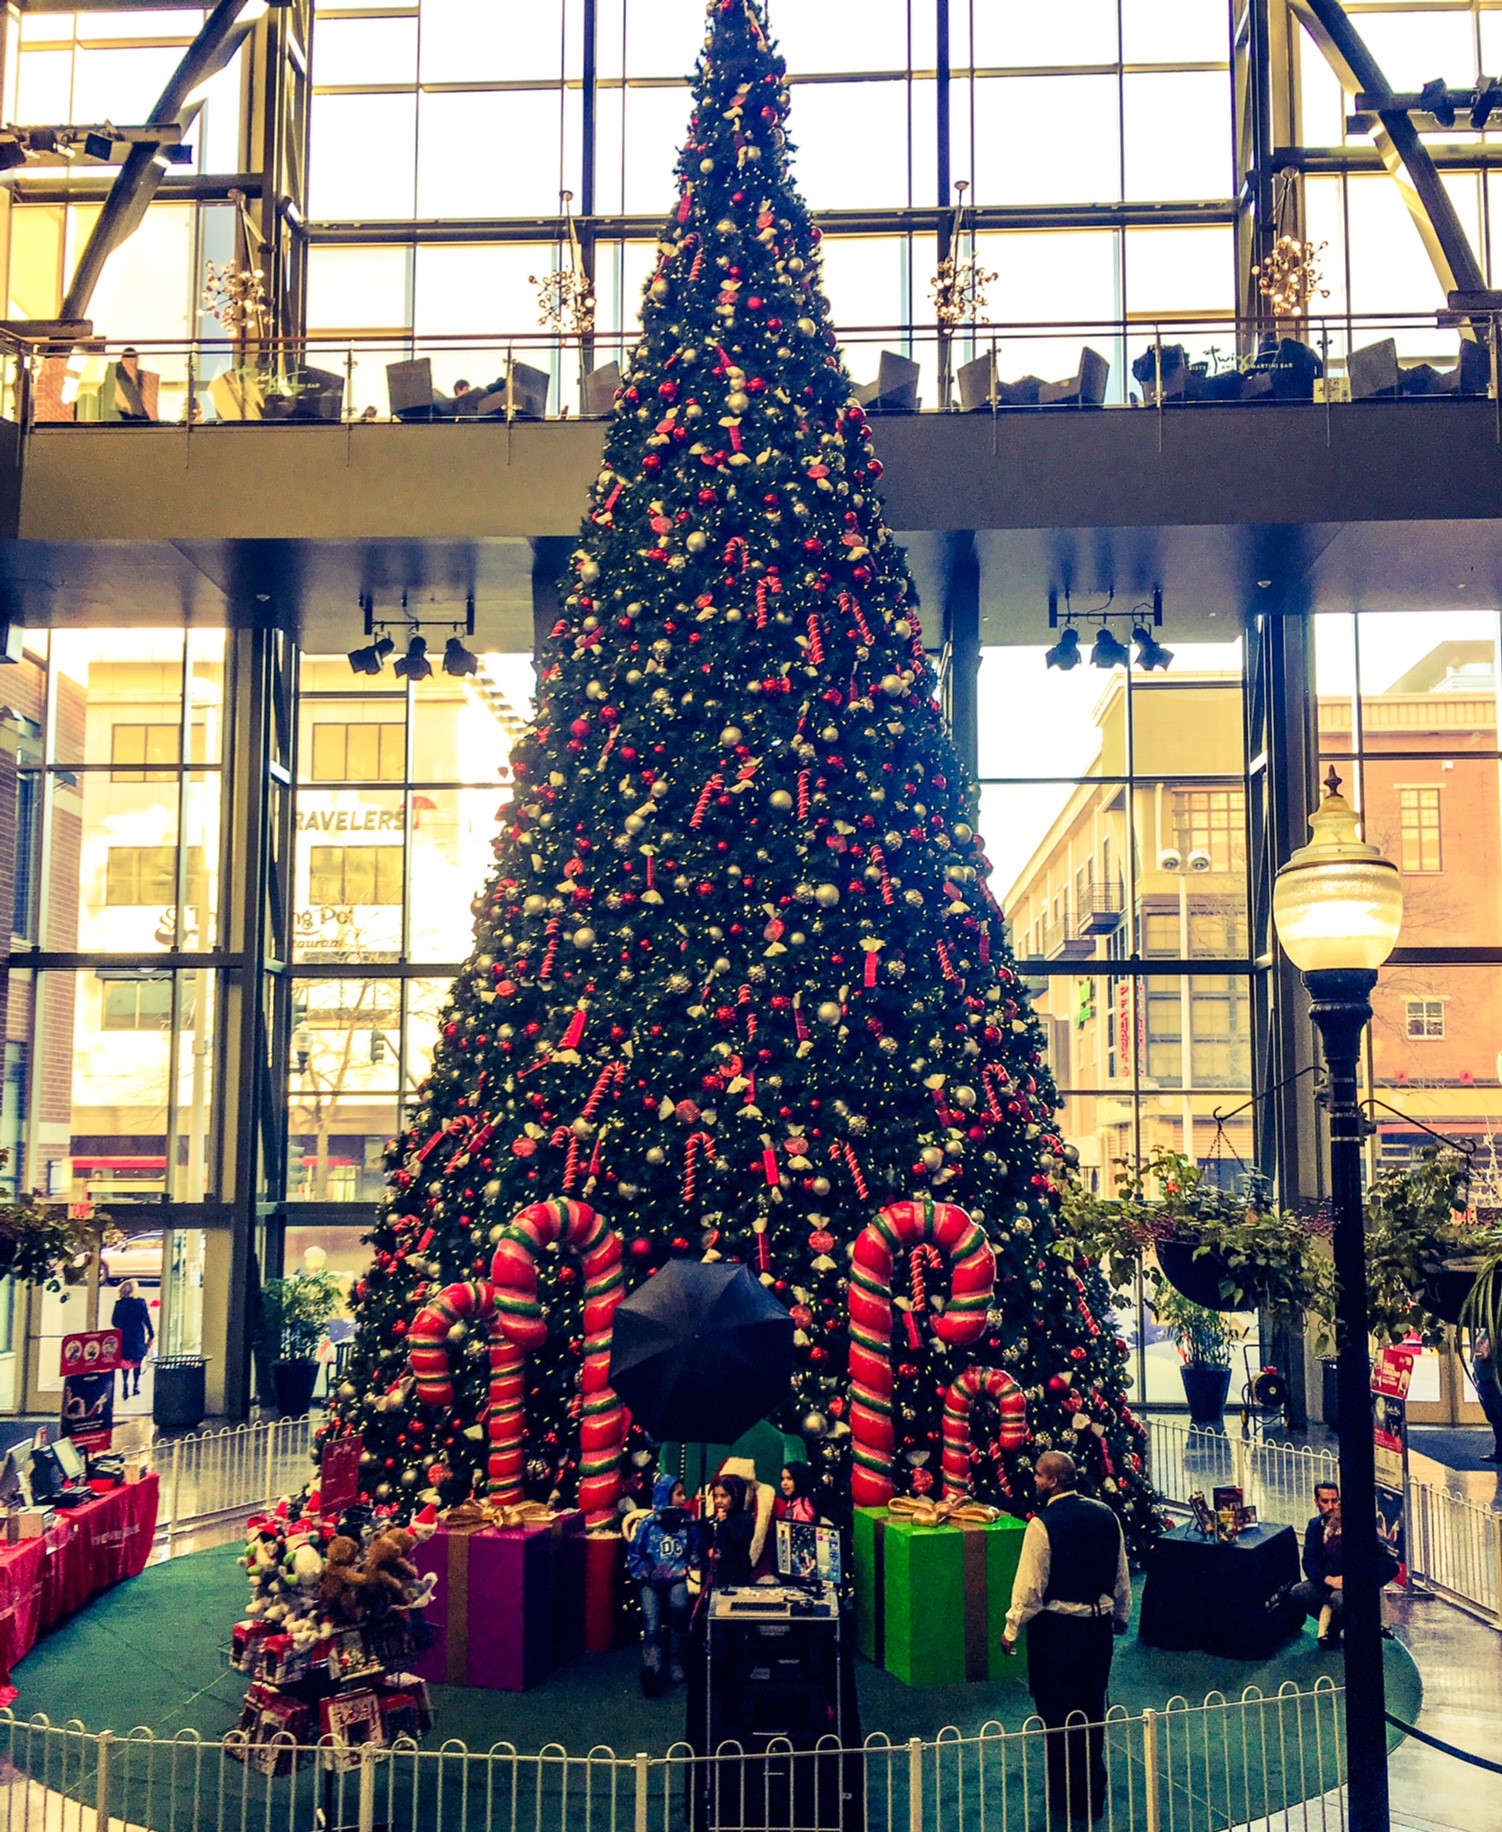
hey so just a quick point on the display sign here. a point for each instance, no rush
(90, 1360)
(339, 1474)
(1391, 1374)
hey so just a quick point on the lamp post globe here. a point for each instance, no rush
(1338, 909)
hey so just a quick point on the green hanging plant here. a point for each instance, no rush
(44, 1244)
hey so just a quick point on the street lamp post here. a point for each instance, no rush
(1337, 908)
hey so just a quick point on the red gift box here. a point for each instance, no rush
(604, 1570)
(505, 1602)
(246, 1643)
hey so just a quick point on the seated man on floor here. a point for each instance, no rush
(1320, 1592)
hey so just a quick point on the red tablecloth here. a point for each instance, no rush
(89, 1549)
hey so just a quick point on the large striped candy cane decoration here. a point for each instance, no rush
(509, 1305)
(514, 1274)
(1012, 1404)
(899, 1228)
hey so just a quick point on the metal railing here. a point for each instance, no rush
(1185, 1768)
(1454, 1544)
(210, 1475)
(1167, 364)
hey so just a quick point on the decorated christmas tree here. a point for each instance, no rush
(739, 988)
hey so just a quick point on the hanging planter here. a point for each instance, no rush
(1200, 1274)
(46, 1246)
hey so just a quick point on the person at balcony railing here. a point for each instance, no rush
(130, 387)
(1320, 1593)
(1072, 1591)
(1488, 1379)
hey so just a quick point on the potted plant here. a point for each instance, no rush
(1204, 1340)
(295, 1313)
(1222, 1249)
(46, 1245)
(1424, 1256)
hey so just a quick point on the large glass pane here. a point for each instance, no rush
(1414, 46)
(489, 154)
(149, 285)
(1182, 725)
(349, 875)
(359, 289)
(121, 85)
(463, 730)
(465, 43)
(37, 233)
(865, 278)
(844, 35)
(1434, 1055)
(366, 52)
(452, 834)
(1437, 819)
(362, 156)
(1040, 721)
(1432, 674)
(1177, 271)
(343, 1069)
(1075, 117)
(1052, 276)
(1176, 129)
(1175, 32)
(830, 119)
(1012, 37)
(660, 37)
(44, 92)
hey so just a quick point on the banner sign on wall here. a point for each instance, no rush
(90, 1360)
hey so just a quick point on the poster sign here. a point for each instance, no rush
(90, 1359)
(339, 1474)
(1391, 1375)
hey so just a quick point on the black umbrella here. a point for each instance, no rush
(701, 1352)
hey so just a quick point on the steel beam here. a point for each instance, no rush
(1397, 140)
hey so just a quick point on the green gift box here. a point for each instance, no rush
(931, 1602)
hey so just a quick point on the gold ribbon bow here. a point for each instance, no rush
(925, 1513)
(470, 1516)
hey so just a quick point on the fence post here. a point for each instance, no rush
(914, 1784)
(641, 1816)
(268, 1491)
(105, 1746)
(1153, 1819)
(1497, 1565)
(367, 1804)
(175, 1488)
(1241, 1481)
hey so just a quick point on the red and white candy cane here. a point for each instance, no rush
(1010, 1401)
(899, 1228)
(509, 1304)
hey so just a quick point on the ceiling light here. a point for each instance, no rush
(1109, 651)
(370, 659)
(414, 665)
(1066, 651)
(1150, 652)
(457, 659)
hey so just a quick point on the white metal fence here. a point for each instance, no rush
(1187, 1768)
(210, 1475)
(1454, 1545)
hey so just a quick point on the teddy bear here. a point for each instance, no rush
(392, 1581)
(342, 1586)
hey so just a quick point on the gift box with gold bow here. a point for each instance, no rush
(508, 1606)
(933, 1582)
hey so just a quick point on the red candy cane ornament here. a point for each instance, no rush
(509, 1304)
(1011, 1402)
(899, 1228)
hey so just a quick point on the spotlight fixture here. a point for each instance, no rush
(1486, 97)
(1065, 653)
(1434, 98)
(372, 657)
(458, 660)
(98, 146)
(1150, 652)
(12, 154)
(414, 665)
(1109, 651)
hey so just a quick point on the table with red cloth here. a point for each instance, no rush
(87, 1549)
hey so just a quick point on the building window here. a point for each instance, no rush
(354, 874)
(141, 875)
(373, 752)
(139, 752)
(1209, 828)
(143, 1003)
(1418, 813)
(1426, 1017)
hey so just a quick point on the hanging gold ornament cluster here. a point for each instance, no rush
(567, 295)
(1289, 279)
(236, 296)
(959, 285)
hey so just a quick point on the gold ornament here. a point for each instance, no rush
(959, 285)
(236, 296)
(567, 295)
(1289, 279)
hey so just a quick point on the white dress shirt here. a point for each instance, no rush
(1032, 1581)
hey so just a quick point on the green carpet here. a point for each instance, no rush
(153, 1654)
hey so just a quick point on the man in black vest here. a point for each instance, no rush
(1072, 1592)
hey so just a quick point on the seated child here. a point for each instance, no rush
(657, 1558)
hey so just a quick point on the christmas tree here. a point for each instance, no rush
(739, 985)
